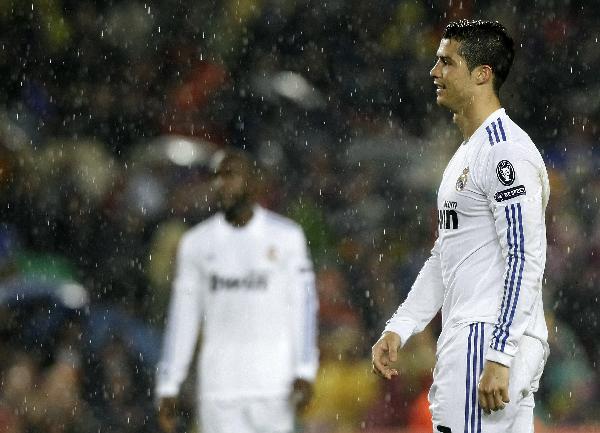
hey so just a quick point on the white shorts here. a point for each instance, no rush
(453, 396)
(246, 416)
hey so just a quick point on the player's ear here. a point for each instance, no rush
(483, 74)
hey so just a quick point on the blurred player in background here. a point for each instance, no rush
(245, 278)
(486, 267)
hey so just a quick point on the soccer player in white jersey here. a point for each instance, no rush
(485, 269)
(244, 277)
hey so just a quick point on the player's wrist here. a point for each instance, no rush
(499, 357)
(392, 335)
(403, 330)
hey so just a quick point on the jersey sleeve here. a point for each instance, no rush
(304, 309)
(516, 186)
(423, 301)
(183, 321)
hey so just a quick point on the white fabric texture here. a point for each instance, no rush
(247, 416)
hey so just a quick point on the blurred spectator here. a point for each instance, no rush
(345, 387)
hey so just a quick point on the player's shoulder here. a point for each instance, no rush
(284, 229)
(202, 230)
(504, 138)
(279, 223)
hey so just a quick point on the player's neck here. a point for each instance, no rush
(240, 214)
(473, 114)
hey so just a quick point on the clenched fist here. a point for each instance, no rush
(493, 387)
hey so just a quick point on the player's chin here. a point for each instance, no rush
(441, 101)
(444, 103)
(223, 204)
(230, 202)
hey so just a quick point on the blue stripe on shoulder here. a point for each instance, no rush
(496, 132)
(489, 131)
(501, 129)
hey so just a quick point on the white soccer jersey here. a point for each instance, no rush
(488, 261)
(251, 291)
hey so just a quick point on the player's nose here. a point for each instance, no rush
(434, 72)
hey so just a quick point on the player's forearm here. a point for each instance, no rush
(422, 303)
(304, 307)
(523, 279)
(305, 327)
(180, 339)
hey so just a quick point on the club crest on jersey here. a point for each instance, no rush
(461, 182)
(505, 172)
(272, 254)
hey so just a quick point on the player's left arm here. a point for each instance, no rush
(304, 309)
(518, 192)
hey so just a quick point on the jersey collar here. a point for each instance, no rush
(257, 216)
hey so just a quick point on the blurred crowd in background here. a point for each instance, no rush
(110, 112)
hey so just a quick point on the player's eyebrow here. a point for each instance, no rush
(445, 59)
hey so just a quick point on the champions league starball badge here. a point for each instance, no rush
(505, 172)
(462, 179)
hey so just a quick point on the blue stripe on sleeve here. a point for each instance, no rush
(502, 327)
(522, 265)
(513, 275)
(498, 328)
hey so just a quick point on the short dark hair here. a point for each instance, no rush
(244, 160)
(484, 43)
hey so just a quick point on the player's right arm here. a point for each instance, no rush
(303, 309)
(421, 305)
(181, 333)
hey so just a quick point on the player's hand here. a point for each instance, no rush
(167, 414)
(493, 387)
(301, 394)
(384, 353)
